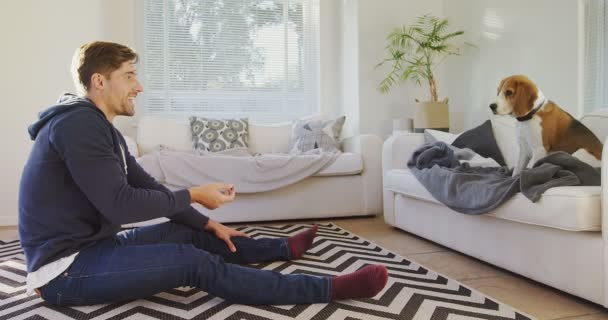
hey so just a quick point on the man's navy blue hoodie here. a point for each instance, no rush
(77, 188)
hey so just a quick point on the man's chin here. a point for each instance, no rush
(128, 111)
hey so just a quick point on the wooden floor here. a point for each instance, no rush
(528, 296)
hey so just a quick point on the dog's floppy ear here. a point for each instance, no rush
(502, 82)
(523, 98)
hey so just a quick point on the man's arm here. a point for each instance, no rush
(84, 142)
(139, 178)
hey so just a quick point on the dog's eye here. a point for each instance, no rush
(508, 93)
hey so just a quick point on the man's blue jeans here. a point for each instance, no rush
(144, 261)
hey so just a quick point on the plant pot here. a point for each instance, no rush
(431, 115)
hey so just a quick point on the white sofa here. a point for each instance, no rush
(557, 241)
(351, 186)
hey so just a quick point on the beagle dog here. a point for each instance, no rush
(542, 126)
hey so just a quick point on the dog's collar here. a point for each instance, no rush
(532, 112)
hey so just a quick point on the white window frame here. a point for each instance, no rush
(595, 95)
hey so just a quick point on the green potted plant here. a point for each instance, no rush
(414, 53)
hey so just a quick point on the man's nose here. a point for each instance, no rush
(493, 106)
(139, 87)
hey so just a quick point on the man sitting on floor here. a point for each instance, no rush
(80, 184)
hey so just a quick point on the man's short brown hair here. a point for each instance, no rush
(98, 57)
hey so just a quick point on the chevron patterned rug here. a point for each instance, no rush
(412, 292)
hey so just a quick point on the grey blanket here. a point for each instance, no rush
(249, 174)
(476, 190)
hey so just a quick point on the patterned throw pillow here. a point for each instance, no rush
(312, 134)
(213, 135)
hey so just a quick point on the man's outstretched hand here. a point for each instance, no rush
(212, 195)
(224, 233)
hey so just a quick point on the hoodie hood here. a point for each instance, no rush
(67, 102)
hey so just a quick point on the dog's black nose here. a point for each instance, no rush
(493, 106)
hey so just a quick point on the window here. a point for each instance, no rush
(231, 58)
(596, 56)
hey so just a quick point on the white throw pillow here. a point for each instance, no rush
(584, 156)
(442, 136)
(308, 135)
(269, 138)
(154, 131)
(479, 161)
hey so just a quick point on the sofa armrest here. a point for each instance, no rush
(398, 149)
(132, 146)
(370, 148)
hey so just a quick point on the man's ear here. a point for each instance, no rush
(97, 81)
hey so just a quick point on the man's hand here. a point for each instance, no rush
(224, 233)
(212, 195)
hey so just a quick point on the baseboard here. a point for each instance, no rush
(6, 221)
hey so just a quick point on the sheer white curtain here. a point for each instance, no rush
(231, 58)
(596, 55)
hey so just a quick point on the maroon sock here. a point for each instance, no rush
(301, 242)
(364, 283)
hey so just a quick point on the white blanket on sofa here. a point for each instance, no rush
(249, 174)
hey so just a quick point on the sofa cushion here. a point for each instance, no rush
(312, 134)
(214, 135)
(346, 164)
(431, 135)
(269, 138)
(131, 146)
(462, 154)
(481, 140)
(156, 131)
(567, 208)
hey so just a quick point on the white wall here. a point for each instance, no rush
(376, 19)
(349, 67)
(330, 57)
(39, 38)
(353, 34)
(540, 39)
